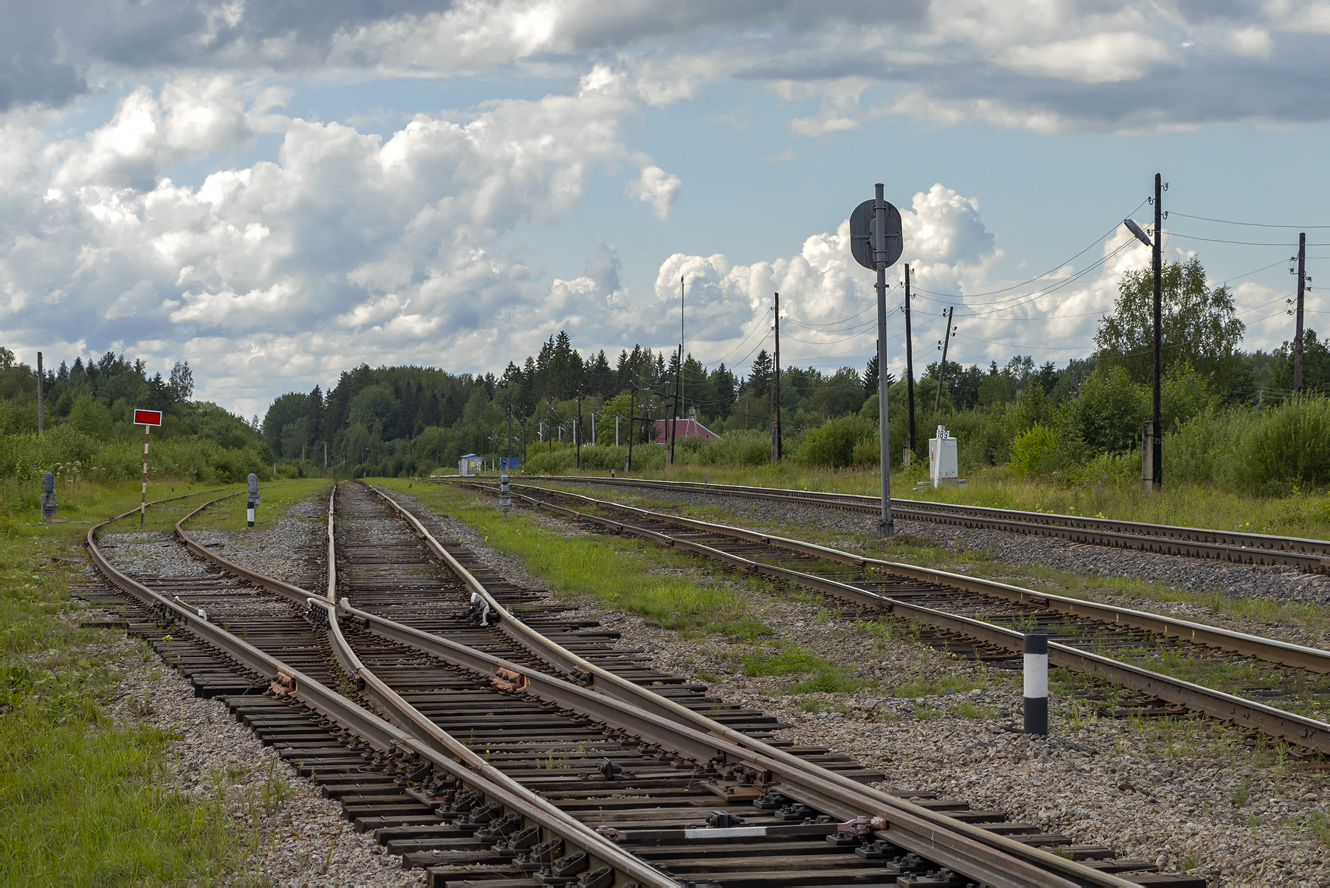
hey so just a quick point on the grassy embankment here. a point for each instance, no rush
(85, 800)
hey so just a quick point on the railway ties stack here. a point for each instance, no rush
(698, 819)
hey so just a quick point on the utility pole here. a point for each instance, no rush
(1155, 436)
(776, 449)
(681, 352)
(909, 363)
(577, 432)
(41, 381)
(632, 407)
(942, 368)
(510, 439)
(678, 394)
(549, 411)
(1297, 339)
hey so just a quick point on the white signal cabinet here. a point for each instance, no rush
(942, 467)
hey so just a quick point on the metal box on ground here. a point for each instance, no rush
(942, 465)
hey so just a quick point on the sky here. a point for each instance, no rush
(279, 191)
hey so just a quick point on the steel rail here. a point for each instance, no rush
(1242, 548)
(994, 859)
(909, 826)
(1277, 723)
(445, 753)
(1268, 649)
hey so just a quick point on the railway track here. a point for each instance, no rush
(988, 620)
(481, 734)
(1309, 556)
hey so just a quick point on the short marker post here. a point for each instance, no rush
(1036, 684)
(252, 501)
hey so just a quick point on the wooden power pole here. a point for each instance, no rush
(942, 368)
(909, 364)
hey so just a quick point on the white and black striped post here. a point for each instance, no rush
(143, 500)
(1036, 684)
(147, 419)
(252, 500)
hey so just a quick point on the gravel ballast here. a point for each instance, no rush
(1179, 796)
(299, 838)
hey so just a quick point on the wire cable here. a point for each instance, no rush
(1248, 224)
(1095, 243)
(1215, 240)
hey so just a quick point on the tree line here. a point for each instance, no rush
(408, 420)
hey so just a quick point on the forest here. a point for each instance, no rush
(1230, 417)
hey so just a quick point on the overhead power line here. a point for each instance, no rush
(1215, 240)
(1248, 224)
(1040, 277)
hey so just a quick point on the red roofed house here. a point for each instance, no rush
(685, 428)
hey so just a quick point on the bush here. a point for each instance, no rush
(1109, 411)
(832, 444)
(1035, 452)
(1289, 446)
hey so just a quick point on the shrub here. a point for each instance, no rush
(832, 444)
(1289, 445)
(1108, 412)
(1035, 452)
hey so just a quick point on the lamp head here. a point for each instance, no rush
(1136, 230)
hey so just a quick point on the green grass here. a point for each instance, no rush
(83, 800)
(1319, 825)
(966, 709)
(618, 572)
(276, 498)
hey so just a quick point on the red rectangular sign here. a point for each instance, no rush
(148, 417)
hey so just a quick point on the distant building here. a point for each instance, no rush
(470, 464)
(509, 463)
(685, 428)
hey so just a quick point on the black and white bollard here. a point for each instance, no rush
(1036, 684)
(252, 501)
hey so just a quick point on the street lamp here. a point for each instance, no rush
(1152, 468)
